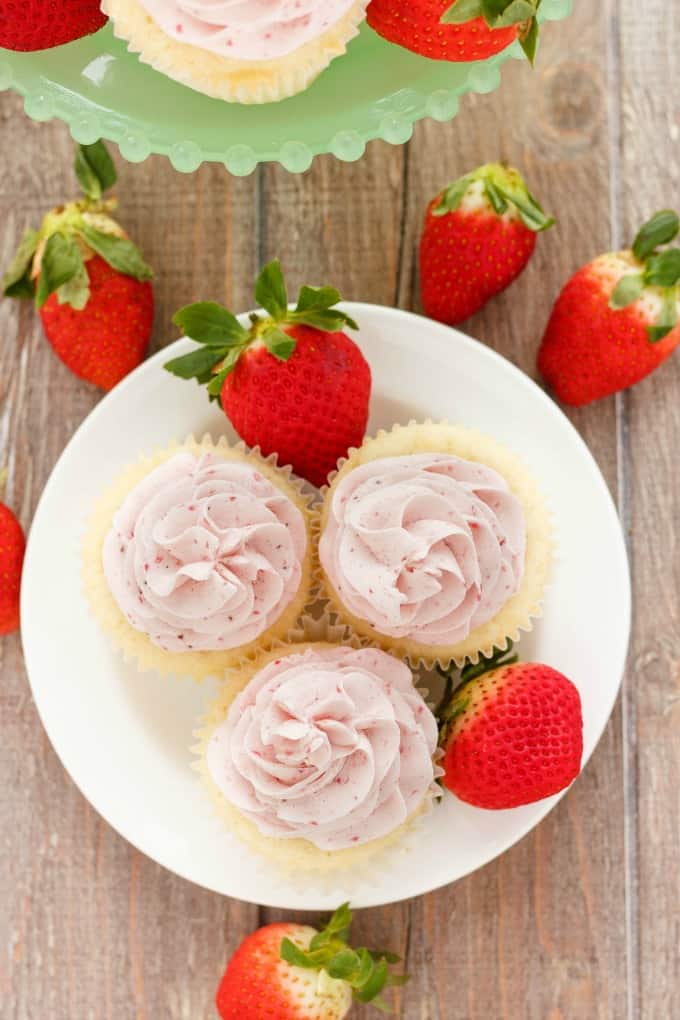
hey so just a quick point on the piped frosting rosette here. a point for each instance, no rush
(198, 556)
(244, 51)
(435, 543)
(320, 755)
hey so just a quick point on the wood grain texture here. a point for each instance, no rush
(577, 922)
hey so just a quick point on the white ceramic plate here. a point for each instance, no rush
(124, 738)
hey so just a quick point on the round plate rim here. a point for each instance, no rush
(355, 309)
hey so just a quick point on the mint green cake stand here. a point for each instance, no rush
(376, 90)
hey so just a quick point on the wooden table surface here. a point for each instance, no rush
(580, 920)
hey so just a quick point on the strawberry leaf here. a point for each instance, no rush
(209, 323)
(496, 197)
(17, 280)
(453, 196)
(628, 289)
(95, 169)
(198, 363)
(668, 317)
(462, 11)
(76, 291)
(331, 320)
(296, 957)
(661, 229)
(120, 253)
(278, 343)
(216, 383)
(316, 298)
(663, 270)
(270, 291)
(529, 41)
(374, 984)
(344, 965)
(530, 211)
(61, 262)
(501, 14)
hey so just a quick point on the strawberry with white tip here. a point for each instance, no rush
(293, 972)
(617, 319)
(88, 280)
(478, 236)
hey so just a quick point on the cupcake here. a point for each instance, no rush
(435, 543)
(243, 51)
(318, 755)
(198, 556)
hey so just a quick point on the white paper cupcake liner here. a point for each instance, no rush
(134, 644)
(298, 857)
(519, 612)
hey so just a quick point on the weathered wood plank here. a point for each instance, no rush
(651, 180)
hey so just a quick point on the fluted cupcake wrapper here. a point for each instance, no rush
(519, 612)
(298, 857)
(236, 81)
(135, 645)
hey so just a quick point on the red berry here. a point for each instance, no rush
(39, 25)
(478, 236)
(12, 546)
(518, 737)
(590, 350)
(417, 25)
(109, 337)
(310, 409)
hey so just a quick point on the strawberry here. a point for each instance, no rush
(293, 972)
(38, 25)
(292, 383)
(512, 733)
(477, 238)
(616, 319)
(460, 31)
(88, 280)
(12, 545)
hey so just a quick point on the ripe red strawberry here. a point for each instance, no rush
(477, 238)
(292, 383)
(616, 319)
(292, 972)
(88, 280)
(12, 545)
(512, 735)
(38, 25)
(460, 31)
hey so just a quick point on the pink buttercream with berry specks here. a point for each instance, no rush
(424, 546)
(246, 29)
(333, 745)
(204, 554)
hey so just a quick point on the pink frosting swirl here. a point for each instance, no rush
(332, 745)
(204, 554)
(246, 29)
(425, 546)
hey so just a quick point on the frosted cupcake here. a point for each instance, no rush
(198, 556)
(319, 755)
(435, 543)
(244, 51)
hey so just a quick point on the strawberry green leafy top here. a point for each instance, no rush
(504, 188)
(658, 269)
(222, 339)
(53, 259)
(500, 14)
(365, 971)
